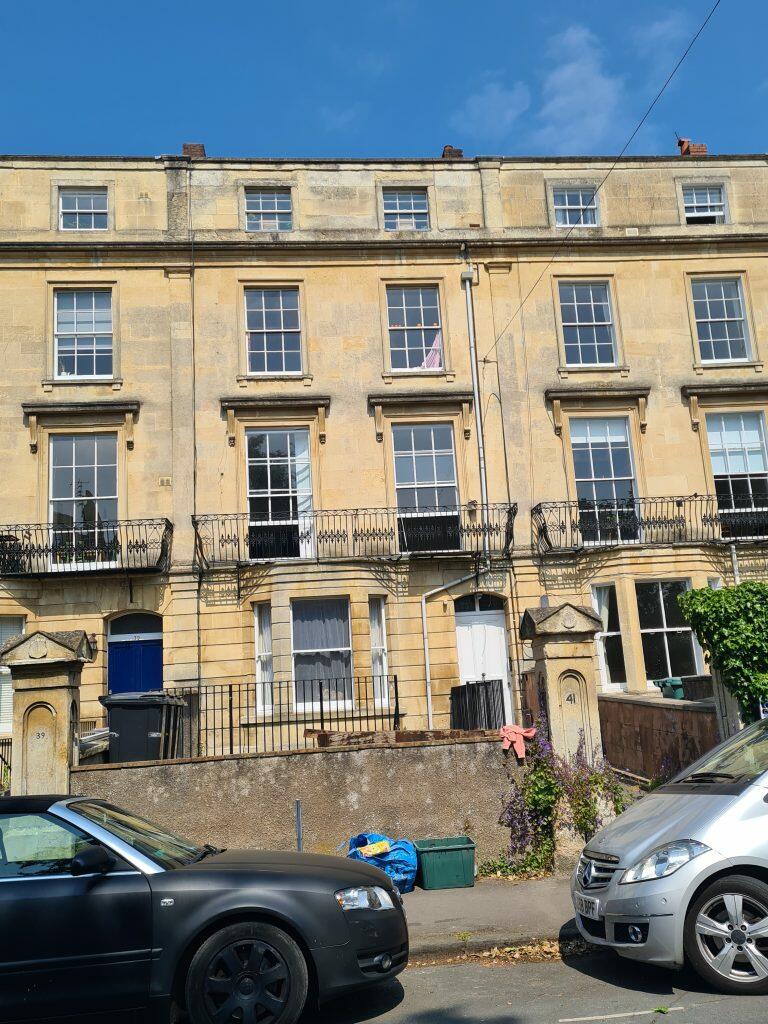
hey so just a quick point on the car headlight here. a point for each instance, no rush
(366, 897)
(664, 861)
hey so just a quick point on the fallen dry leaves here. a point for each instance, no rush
(505, 956)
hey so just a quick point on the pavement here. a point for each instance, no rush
(495, 912)
(598, 988)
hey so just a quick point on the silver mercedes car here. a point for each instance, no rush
(683, 874)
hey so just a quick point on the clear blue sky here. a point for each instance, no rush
(324, 78)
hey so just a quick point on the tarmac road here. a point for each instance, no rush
(589, 989)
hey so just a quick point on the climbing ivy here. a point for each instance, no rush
(732, 626)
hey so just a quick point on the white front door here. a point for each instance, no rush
(481, 641)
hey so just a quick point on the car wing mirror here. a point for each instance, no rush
(92, 860)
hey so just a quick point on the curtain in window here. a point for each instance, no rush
(322, 656)
(10, 626)
(264, 669)
(378, 649)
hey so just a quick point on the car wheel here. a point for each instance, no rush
(726, 935)
(247, 973)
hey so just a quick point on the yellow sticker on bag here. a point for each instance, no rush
(375, 849)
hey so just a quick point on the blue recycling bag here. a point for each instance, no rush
(399, 862)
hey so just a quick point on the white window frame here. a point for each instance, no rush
(333, 705)
(265, 670)
(697, 654)
(438, 344)
(760, 505)
(593, 479)
(402, 207)
(722, 279)
(564, 191)
(594, 323)
(59, 334)
(608, 685)
(696, 213)
(83, 190)
(262, 202)
(303, 520)
(55, 565)
(6, 683)
(380, 680)
(265, 332)
(436, 510)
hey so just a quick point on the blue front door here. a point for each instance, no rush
(135, 665)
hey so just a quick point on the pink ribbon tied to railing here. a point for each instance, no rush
(515, 736)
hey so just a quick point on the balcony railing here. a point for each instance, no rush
(364, 533)
(45, 549)
(695, 519)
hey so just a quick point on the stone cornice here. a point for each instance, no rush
(239, 404)
(590, 394)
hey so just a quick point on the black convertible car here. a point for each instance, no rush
(102, 912)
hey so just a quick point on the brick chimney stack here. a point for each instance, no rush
(194, 150)
(688, 148)
(452, 153)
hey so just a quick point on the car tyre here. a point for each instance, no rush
(726, 935)
(245, 973)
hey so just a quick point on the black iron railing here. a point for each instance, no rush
(478, 704)
(695, 519)
(354, 533)
(251, 718)
(42, 549)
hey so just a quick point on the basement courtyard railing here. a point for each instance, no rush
(367, 533)
(49, 549)
(694, 519)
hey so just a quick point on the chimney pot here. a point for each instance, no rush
(688, 148)
(194, 150)
(452, 153)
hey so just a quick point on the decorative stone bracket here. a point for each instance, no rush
(317, 405)
(99, 413)
(717, 391)
(597, 395)
(458, 400)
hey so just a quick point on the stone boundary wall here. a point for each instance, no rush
(415, 790)
(655, 738)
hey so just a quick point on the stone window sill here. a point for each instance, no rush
(621, 368)
(49, 383)
(749, 364)
(244, 379)
(392, 375)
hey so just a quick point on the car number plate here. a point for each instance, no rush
(587, 907)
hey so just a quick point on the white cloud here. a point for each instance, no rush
(660, 43)
(583, 109)
(490, 112)
(337, 118)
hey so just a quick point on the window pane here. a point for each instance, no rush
(34, 845)
(681, 657)
(655, 655)
(614, 659)
(670, 590)
(320, 624)
(649, 606)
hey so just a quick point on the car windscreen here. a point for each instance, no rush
(154, 841)
(744, 757)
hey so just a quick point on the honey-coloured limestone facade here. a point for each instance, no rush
(239, 431)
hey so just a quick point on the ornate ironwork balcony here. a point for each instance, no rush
(47, 549)
(363, 533)
(694, 519)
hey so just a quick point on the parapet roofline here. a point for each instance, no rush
(665, 158)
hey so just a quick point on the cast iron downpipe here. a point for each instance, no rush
(467, 277)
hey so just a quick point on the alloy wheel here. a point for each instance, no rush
(247, 982)
(732, 935)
